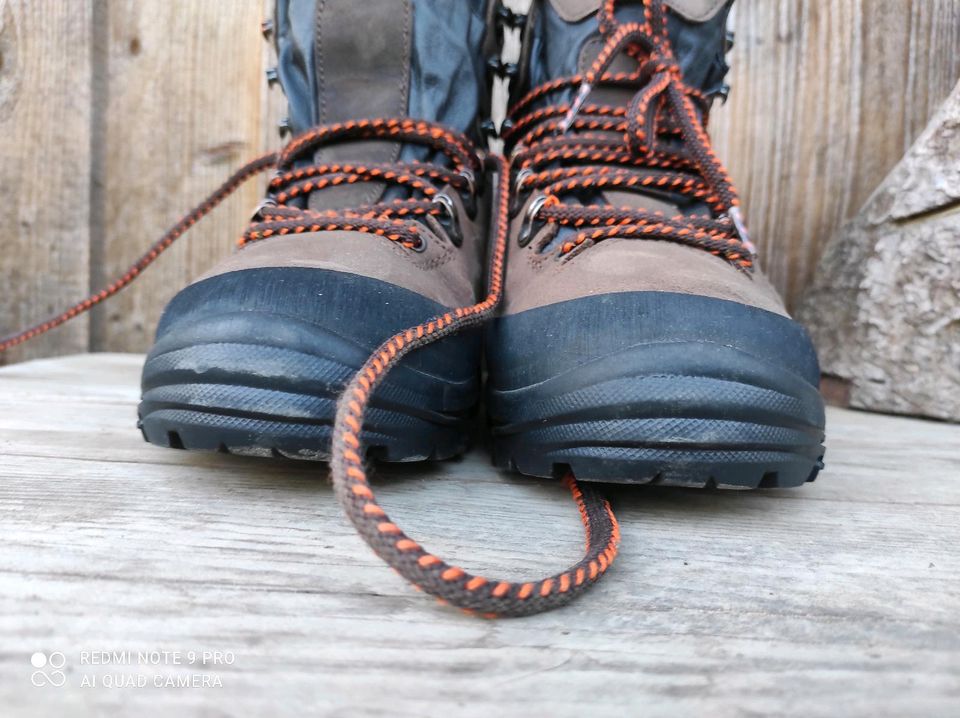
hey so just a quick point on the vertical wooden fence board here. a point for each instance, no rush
(827, 95)
(183, 110)
(45, 105)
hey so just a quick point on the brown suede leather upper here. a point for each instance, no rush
(442, 272)
(535, 278)
(363, 57)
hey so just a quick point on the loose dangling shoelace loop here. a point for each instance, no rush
(253, 168)
(449, 583)
(395, 220)
(566, 149)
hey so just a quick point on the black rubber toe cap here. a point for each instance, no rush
(644, 386)
(253, 361)
(541, 343)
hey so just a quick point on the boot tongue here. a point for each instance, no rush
(379, 58)
(567, 41)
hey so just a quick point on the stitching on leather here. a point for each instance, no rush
(321, 76)
(373, 190)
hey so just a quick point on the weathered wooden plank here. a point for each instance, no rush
(837, 596)
(45, 106)
(827, 96)
(183, 109)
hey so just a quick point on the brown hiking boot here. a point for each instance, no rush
(639, 341)
(369, 226)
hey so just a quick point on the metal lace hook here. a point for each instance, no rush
(453, 220)
(259, 210)
(471, 179)
(736, 216)
(521, 178)
(582, 93)
(527, 231)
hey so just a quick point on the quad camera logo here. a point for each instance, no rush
(49, 669)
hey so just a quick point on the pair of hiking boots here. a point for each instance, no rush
(632, 337)
(636, 340)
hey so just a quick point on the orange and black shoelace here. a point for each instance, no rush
(655, 143)
(397, 220)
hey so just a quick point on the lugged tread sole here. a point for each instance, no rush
(692, 469)
(676, 431)
(188, 404)
(671, 430)
(196, 431)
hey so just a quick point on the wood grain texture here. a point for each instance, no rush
(45, 108)
(827, 96)
(183, 108)
(839, 597)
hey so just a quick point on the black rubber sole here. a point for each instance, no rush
(245, 365)
(690, 411)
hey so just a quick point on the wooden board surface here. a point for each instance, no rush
(45, 168)
(840, 598)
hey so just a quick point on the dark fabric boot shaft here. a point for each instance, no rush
(566, 40)
(341, 60)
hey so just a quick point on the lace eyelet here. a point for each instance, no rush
(452, 224)
(527, 230)
(471, 179)
(267, 201)
(470, 200)
(520, 178)
(516, 200)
